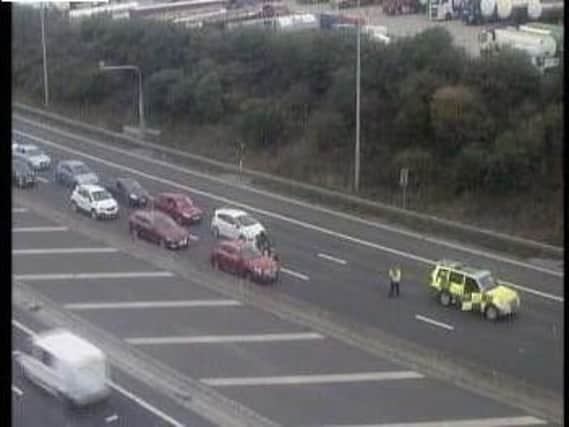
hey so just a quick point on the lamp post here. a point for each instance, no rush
(45, 84)
(357, 148)
(135, 68)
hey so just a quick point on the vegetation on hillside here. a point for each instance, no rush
(482, 137)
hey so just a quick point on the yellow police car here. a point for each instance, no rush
(472, 289)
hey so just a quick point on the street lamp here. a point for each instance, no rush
(135, 68)
(357, 148)
(45, 86)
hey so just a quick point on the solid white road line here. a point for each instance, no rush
(333, 259)
(57, 251)
(19, 210)
(23, 328)
(37, 229)
(295, 274)
(78, 276)
(536, 292)
(118, 388)
(338, 214)
(42, 179)
(313, 379)
(265, 212)
(434, 322)
(112, 418)
(480, 422)
(17, 390)
(153, 304)
(146, 405)
(219, 339)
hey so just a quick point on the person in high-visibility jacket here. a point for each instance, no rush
(394, 280)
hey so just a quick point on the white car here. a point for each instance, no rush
(94, 200)
(235, 224)
(33, 155)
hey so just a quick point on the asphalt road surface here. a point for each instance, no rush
(130, 404)
(336, 262)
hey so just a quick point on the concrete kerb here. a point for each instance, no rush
(472, 377)
(396, 215)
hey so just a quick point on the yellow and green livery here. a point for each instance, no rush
(472, 289)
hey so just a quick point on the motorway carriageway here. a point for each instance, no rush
(292, 375)
(340, 264)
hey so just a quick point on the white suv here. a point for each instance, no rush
(94, 200)
(234, 224)
(35, 157)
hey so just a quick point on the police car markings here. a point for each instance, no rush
(118, 388)
(289, 200)
(17, 390)
(434, 322)
(481, 422)
(276, 215)
(333, 259)
(295, 274)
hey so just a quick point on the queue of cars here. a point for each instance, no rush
(163, 219)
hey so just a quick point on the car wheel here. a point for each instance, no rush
(162, 243)
(491, 313)
(94, 214)
(444, 298)
(215, 232)
(241, 237)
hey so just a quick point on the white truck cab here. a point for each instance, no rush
(67, 366)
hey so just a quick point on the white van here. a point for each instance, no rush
(67, 366)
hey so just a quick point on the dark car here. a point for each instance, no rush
(129, 192)
(157, 227)
(179, 206)
(73, 172)
(22, 173)
(243, 259)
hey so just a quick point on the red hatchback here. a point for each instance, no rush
(179, 206)
(241, 258)
(157, 227)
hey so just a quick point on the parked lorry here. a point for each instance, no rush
(551, 10)
(400, 7)
(541, 48)
(555, 31)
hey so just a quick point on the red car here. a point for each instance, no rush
(239, 257)
(179, 206)
(157, 227)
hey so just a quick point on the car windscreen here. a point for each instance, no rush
(250, 252)
(34, 152)
(100, 195)
(246, 220)
(132, 186)
(184, 203)
(164, 222)
(80, 169)
(487, 282)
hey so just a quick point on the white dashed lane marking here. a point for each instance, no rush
(152, 304)
(38, 229)
(61, 251)
(79, 276)
(19, 210)
(313, 379)
(477, 422)
(295, 274)
(17, 391)
(220, 339)
(434, 322)
(333, 259)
